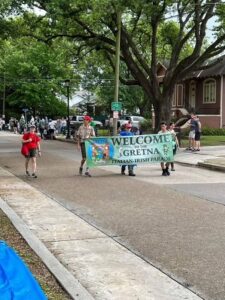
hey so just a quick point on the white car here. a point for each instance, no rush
(135, 121)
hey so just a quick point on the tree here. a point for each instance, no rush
(34, 74)
(91, 24)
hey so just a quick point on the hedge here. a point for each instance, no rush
(213, 131)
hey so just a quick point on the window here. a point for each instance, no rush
(192, 94)
(180, 94)
(209, 91)
(174, 99)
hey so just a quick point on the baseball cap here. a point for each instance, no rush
(87, 118)
(32, 126)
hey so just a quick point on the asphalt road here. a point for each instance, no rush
(176, 223)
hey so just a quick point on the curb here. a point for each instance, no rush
(211, 166)
(68, 281)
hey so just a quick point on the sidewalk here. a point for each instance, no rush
(210, 157)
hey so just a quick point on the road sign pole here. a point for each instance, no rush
(117, 68)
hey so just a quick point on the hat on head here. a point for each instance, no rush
(87, 118)
(32, 126)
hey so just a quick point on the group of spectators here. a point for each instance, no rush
(195, 133)
(45, 126)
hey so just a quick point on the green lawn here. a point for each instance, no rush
(206, 140)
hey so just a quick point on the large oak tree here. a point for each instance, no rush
(148, 35)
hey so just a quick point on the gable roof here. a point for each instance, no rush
(217, 69)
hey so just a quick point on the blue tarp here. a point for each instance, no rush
(16, 281)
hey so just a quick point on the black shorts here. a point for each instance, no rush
(83, 152)
(175, 150)
(32, 153)
(197, 136)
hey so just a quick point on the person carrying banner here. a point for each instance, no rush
(32, 142)
(126, 131)
(164, 166)
(84, 132)
(175, 142)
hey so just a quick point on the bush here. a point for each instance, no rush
(146, 125)
(213, 131)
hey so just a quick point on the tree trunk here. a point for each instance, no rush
(162, 108)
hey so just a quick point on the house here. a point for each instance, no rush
(202, 92)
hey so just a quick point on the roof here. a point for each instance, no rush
(217, 69)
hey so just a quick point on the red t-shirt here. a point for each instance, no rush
(35, 140)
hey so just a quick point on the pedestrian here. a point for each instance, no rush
(84, 132)
(93, 124)
(32, 142)
(193, 124)
(126, 131)
(42, 127)
(197, 134)
(164, 165)
(22, 123)
(175, 142)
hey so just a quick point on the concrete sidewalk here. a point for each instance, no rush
(88, 263)
(210, 157)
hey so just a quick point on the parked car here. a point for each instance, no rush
(134, 120)
(76, 121)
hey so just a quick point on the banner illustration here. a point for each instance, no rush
(121, 150)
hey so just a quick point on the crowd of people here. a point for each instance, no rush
(43, 127)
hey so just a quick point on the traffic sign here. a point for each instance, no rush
(116, 106)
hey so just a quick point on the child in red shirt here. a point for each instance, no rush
(32, 143)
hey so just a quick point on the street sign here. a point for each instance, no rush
(116, 106)
(115, 114)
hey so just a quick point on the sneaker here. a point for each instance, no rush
(172, 169)
(132, 174)
(27, 173)
(87, 174)
(123, 173)
(34, 175)
(80, 171)
(164, 172)
(188, 148)
(197, 149)
(167, 172)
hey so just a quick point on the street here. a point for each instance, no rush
(175, 223)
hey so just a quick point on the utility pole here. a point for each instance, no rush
(117, 71)
(3, 102)
(67, 84)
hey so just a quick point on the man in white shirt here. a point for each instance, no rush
(84, 132)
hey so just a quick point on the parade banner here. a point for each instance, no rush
(129, 150)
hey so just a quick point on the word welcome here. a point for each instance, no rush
(129, 150)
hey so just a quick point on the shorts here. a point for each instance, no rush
(83, 152)
(192, 134)
(197, 136)
(32, 153)
(174, 149)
